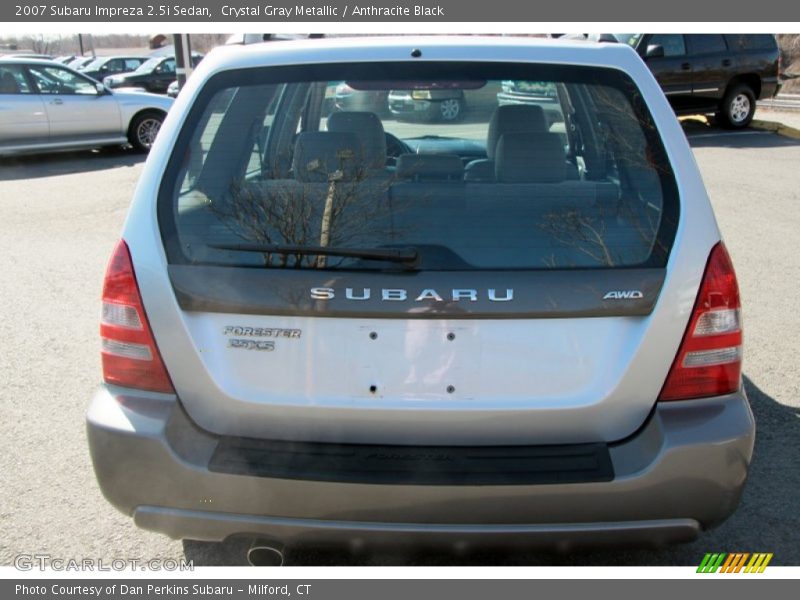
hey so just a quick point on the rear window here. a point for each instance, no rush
(707, 43)
(743, 42)
(426, 166)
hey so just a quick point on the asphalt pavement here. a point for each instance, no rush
(61, 215)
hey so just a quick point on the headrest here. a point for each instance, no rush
(430, 167)
(513, 118)
(8, 84)
(368, 128)
(530, 158)
(322, 156)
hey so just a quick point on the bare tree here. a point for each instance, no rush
(41, 44)
(345, 206)
(789, 44)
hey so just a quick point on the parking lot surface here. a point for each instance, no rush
(61, 215)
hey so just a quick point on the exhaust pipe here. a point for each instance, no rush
(265, 554)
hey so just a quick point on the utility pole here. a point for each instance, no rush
(183, 57)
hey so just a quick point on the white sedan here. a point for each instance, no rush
(47, 106)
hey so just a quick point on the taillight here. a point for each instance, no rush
(129, 352)
(709, 360)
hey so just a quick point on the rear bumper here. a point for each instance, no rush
(409, 106)
(770, 86)
(684, 471)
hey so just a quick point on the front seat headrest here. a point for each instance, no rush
(323, 156)
(514, 118)
(368, 128)
(530, 158)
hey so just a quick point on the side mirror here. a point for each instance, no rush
(100, 89)
(654, 51)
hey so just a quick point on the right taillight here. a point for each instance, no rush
(129, 352)
(709, 360)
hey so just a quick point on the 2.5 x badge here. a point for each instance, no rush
(242, 337)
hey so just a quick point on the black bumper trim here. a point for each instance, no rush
(410, 465)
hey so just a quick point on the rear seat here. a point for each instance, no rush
(430, 167)
(507, 119)
(324, 156)
(429, 200)
(537, 198)
(511, 118)
(322, 162)
(426, 191)
(333, 161)
(532, 167)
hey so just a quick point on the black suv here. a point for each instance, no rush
(723, 74)
(111, 65)
(155, 75)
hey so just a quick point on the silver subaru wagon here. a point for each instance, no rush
(327, 326)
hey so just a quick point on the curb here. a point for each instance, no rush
(775, 127)
(771, 126)
(699, 118)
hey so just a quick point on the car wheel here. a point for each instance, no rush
(738, 107)
(144, 129)
(450, 109)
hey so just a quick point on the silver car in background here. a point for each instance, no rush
(47, 106)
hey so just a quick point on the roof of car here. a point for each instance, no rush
(115, 56)
(30, 61)
(29, 55)
(470, 48)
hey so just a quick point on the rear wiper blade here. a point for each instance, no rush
(407, 255)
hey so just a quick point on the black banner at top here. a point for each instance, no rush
(311, 11)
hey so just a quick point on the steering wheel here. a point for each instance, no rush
(394, 148)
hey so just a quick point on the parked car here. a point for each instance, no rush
(154, 75)
(443, 104)
(28, 55)
(105, 66)
(47, 106)
(347, 98)
(318, 330)
(539, 93)
(80, 61)
(173, 89)
(711, 72)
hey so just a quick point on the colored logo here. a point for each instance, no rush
(736, 562)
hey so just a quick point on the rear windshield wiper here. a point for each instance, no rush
(407, 256)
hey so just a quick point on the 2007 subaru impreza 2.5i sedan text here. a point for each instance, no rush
(338, 328)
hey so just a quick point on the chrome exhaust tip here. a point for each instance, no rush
(264, 554)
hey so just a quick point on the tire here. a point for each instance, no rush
(450, 110)
(737, 107)
(143, 130)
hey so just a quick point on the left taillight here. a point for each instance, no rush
(129, 353)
